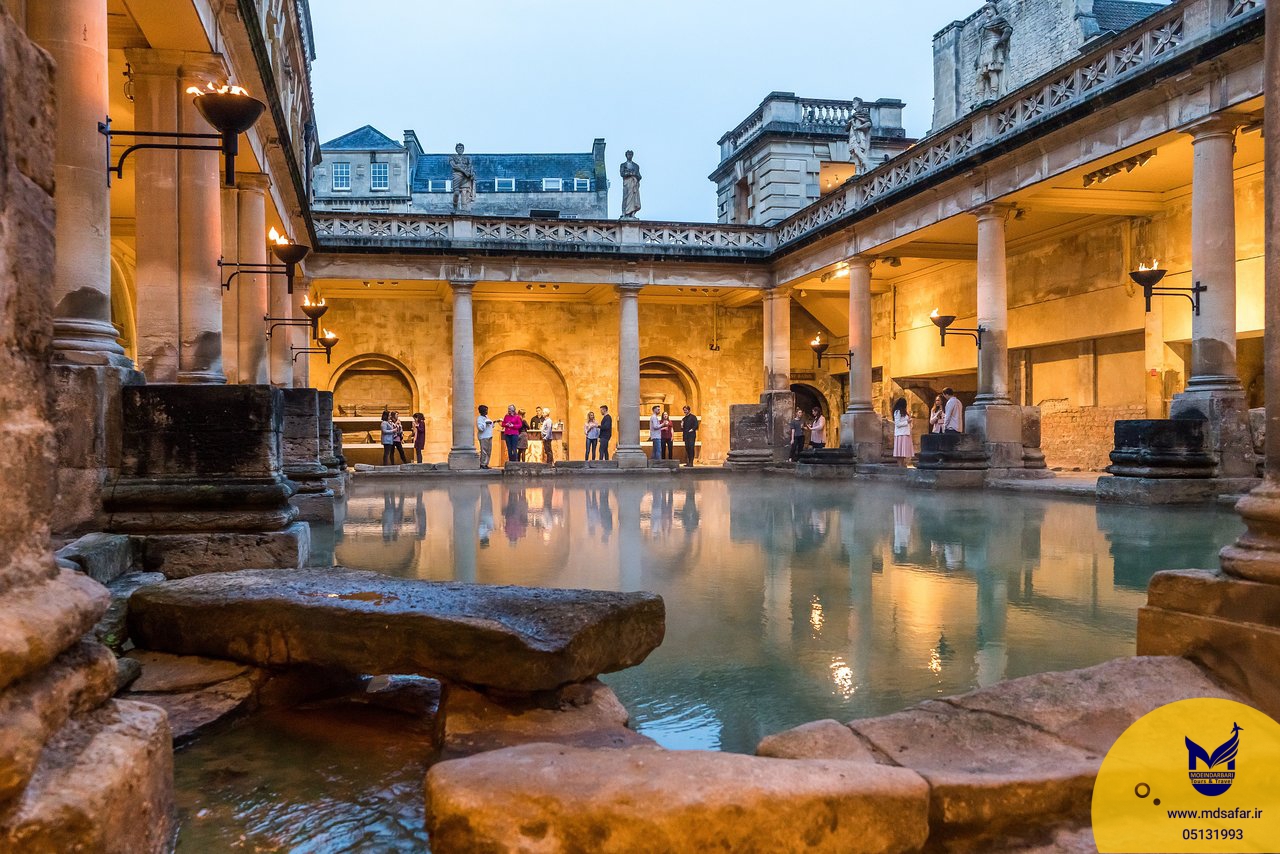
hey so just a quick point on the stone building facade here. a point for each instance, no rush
(367, 171)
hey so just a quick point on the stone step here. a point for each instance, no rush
(104, 784)
(543, 797)
(498, 639)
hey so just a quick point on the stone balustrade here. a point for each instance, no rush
(1161, 41)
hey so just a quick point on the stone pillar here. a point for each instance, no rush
(75, 759)
(335, 476)
(993, 418)
(300, 336)
(279, 356)
(860, 426)
(250, 290)
(74, 32)
(1213, 388)
(463, 453)
(178, 224)
(777, 339)
(300, 445)
(629, 453)
(758, 432)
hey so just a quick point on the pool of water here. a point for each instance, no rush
(787, 601)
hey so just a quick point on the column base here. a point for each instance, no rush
(1228, 438)
(314, 506)
(183, 555)
(1168, 490)
(464, 459)
(999, 427)
(863, 434)
(202, 378)
(1256, 554)
(631, 457)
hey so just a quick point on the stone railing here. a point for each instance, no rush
(1160, 39)
(826, 115)
(410, 231)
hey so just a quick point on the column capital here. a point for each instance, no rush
(257, 182)
(462, 285)
(994, 210)
(629, 289)
(150, 62)
(777, 292)
(867, 261)
(1217, 124)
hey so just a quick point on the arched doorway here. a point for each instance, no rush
(807, 397)
(669, 384)
(371, 383)
(528, 380)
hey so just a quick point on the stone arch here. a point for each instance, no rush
(528, 380)
(370, 382)
(124, 305)
(668, 383)
(808, 396)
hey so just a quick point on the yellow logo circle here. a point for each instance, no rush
(1195, 775)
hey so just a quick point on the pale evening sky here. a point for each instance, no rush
(664, 77)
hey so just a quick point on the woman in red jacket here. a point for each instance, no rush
(512, 424)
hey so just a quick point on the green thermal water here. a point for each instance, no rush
(787, 601)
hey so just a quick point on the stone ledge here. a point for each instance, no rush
(544, 797)
(1169, 490)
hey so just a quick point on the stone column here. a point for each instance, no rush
(463, 453)
(993, 418)
(250, 289)
(860, 426)
(178, 224)
(300, 336)
(279, 356)
(1213, 387)
(777, 339)
(74, 32)
(629, 454)
(300, 447)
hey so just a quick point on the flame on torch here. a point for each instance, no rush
(1155, 265)
(933, 313)
(226, 89)
(277, 238)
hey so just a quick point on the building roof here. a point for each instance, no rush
(1116, 15)
(519, 166)
(367, 138)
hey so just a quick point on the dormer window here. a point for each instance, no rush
(504, 185)
(552, 185)
(582, 185)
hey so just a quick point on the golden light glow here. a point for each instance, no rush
(277, 238)
(329, 336)
(306, 300)
(842, 676)
(1155, 265)
(816, 617)
(935, 661)
(817, 339)
(933, 313)
(226, 89)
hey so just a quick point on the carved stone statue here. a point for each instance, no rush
(464, 179)
(993, 52)
(630, 172)
(860, 135)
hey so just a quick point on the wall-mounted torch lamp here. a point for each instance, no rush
(313, 310)
(1149, 277)
(327, 342)
(229, 109)
(944, 321)
(819, 348)
(289, 253)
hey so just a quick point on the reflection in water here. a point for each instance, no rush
(790, 601)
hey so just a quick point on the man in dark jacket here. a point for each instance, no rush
(606, 431)
(689, 427)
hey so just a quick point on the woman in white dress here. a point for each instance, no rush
(903, 448)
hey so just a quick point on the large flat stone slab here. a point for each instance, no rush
(547, 798)
(499, 639)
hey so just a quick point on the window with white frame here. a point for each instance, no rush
(342, 176)
(504, 185)
(582, 185)
(379, 178)
(440, 186)
(552, 185)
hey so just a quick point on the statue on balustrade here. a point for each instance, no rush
(464, 179)
(630, 172)
(860, 135)
(993, 53)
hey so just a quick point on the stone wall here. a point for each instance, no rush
(1081, 437)
(78, 770)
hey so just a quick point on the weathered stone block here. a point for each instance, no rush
(827, 739)
(184, 555)
(513, 640)
(542, 797)
(40, 621)
(101, 556)
(1161, 448)
(314, 506)
(104, 784)
(112, 629)
(952, 451)
(1169, 490)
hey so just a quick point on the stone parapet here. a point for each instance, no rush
(952, 451)
(1161, 448)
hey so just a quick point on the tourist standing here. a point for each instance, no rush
(548, 438)
(534, 454)
(818, 430)
(606, 431)
(936, 415)
(522, 440)
(655, 432)
(512, 424)
(903, 450)
(952, 412)
(689, 431)
(796, 435)
(397, 434)
(419, 435)
(484, 432)
(592, 429)
(668, 436)
(388, 438)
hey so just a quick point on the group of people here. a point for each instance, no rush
(392, 434)
(662, 434)
(812, 429)
(520, 436)
(946, 416)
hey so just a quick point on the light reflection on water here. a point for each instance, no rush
(787, 601)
